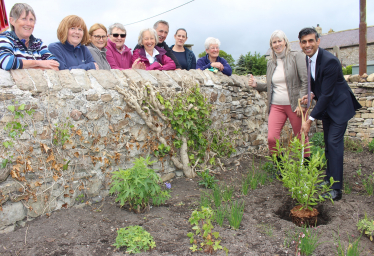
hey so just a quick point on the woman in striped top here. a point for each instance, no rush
(19, 48)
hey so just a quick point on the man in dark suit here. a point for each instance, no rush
(335, 105)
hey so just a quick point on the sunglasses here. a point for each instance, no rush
(116, 35)
(97, 37)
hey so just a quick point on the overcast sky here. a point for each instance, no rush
(240, 25)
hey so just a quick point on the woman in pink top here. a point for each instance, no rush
(118, 54)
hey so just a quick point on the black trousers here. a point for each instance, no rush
(334, 149)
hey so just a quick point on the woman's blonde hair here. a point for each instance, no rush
(281, 35)
(95, 27)
(69, 22)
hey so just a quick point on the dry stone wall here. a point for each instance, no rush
(81, 130)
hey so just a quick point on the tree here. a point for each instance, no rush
(255, 64)
(224, 55)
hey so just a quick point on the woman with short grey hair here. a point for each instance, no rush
(118, 54)
(153, 56)
(211, 60)
(286, 82)
(19, 48)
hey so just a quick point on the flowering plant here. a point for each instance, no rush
(302, 178)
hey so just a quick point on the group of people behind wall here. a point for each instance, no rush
(287, 77)
(99, 48)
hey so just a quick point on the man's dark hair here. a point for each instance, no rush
(308, 31)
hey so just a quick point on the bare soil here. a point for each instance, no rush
(91, 229)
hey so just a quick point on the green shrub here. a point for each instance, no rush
(135, 238)
(138, 185)
(317, 140)
(353, 145)
(208, 180)
(347, 70)
(371, 146)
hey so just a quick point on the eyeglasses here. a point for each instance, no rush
(97, 37)
(214, 48)
(116, 35)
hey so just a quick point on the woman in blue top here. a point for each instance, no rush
(212, 59)
(185, 57)
(70, 51)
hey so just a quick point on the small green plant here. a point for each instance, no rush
(80, 198)
(266, 228)
(353, 145)
(227, 192)
(301, 181)
(318, 140)
(269, 168)
(347, 70)
(203, 238)
(371, 146)
(205, 199)
(62, 134)
(220, 214)
(217, 197)
(236, 214)
(208, 180)
(135, 239)
(308, 241)
(347, 188)
(366, 226)
(353, 248)
(245, 185)
(359, 171)
(162, 150)
(369, 184)
(138, 185)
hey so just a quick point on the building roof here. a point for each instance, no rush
(344, 38)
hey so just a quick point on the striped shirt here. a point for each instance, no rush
(13, 51)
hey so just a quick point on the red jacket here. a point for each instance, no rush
(166, 62)
(117, 60)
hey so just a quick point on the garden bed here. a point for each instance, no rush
(265, 228)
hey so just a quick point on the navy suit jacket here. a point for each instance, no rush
(331, 91)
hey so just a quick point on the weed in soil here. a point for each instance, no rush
(353, 248)
(236, 214)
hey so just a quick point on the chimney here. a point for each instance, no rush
(319, 29)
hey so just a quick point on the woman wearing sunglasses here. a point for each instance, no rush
(96, 46)
(70, 51)
(118, 54)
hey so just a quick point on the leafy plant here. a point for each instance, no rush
(203, 238)
(138, 185)
(269, 168)
(371, 146)
(208, 180)
(62, 134)
(217, 197)
(162, 150)
(220, 214)
(308, 241)
(301, 180)
(366, 226)
(236, 214)
(135, 238)
(221, 144)
(205, 199)
(347, 70)
(353, 248)
(227, 192)
(353, 145)
(369, 184)
(318, 139)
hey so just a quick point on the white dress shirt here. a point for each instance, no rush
(313, 71)
(153, 57)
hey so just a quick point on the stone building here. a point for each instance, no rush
(343, 44)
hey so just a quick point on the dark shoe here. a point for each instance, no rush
(334, 194)
(323, 183)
